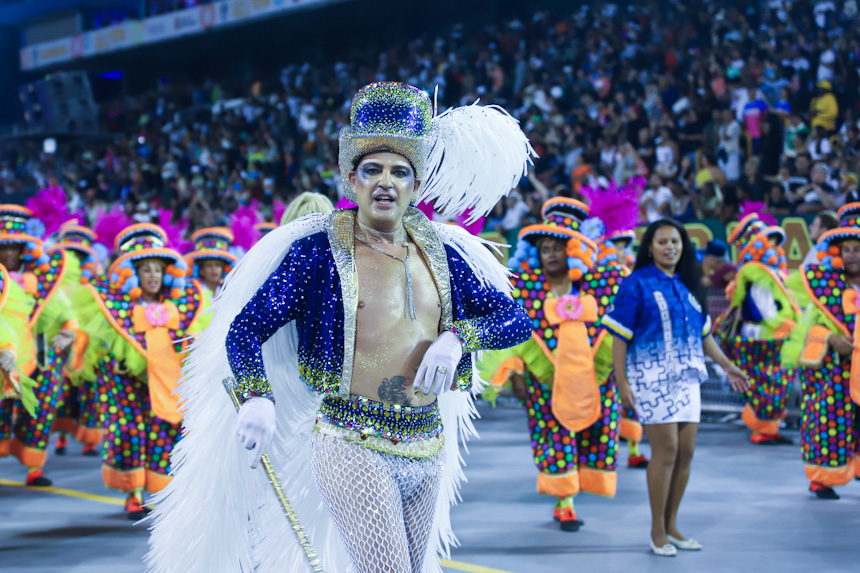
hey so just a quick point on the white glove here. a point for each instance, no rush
(764, 302)
(255, 426)
(436, 372)
(7, 360)
(63, 340)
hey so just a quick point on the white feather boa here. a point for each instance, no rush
(219, 515)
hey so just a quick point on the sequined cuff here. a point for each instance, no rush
(469, 333)
(255, 388)
(463, 377)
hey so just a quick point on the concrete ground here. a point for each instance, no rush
(748, 505)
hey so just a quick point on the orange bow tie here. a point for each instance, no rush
(850, 306)
(164, 364)
(575, 391)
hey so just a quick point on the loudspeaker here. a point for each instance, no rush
(61, 102)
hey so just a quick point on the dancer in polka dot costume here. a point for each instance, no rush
(824, 347)
(562, 373)
(80, 407)
(52, 325)
(15, 349)
(139, 320)
(616, 207)
(760, 317)
(210, 262)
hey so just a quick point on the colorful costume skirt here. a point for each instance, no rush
(24, 436)
(138, 443)
(770, 383)
(569, 463)
(81, 412)
(830, 427)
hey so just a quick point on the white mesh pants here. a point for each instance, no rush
(383, 505)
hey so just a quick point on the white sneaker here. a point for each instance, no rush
(667, 550)
(685, 544)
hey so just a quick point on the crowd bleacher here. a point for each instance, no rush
(714, 102)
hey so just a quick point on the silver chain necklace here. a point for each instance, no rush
(393, 235)
(410, 297)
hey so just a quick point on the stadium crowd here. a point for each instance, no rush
(713, 103)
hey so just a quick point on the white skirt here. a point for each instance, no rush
(665, 403)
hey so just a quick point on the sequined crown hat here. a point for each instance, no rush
(73, 237)
(756, 241)
(828, 247)
(145, 241)
(17, 226)
(211, 243)
(467, 157)
(562, 219)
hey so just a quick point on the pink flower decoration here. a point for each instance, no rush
(569, 307)
(857, 299)
(156, 315)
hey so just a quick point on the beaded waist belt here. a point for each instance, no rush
(388, 428)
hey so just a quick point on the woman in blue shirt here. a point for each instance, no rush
(662, 331)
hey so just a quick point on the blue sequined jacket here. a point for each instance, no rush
(316, 285)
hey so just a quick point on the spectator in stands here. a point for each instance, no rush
(753, 113)
(709, 201)
(717, 271)
(655, 201)
(709, 172)
(818, 145)
(796, 134)
(729, 149)
(848, 184)
(777, 201)
(822, 223)
(667, 155)
(818, 194)
(825, 108)
(752, 183)
(516, 210)
(681, 207)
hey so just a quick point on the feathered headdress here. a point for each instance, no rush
(242, 223)
(758, 208)
(469, 156)
(110, 223)
(616, 206)
(175, 231)
(50, 207)
(278, 210)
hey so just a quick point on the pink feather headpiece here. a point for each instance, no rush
(617, 206)
(278, 210)
(110, 223)
(760, 209)
(242, 223)
(50, 206)
(176, 232)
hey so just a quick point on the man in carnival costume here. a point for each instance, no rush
(760, 317)
(211, 261)
(824, 348)
(617, 208)
(379, 311)
(562, 373)
(138, 323)
(51, 324)
(16, 345)
(80, 411)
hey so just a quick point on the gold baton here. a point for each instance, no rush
(298, 528)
